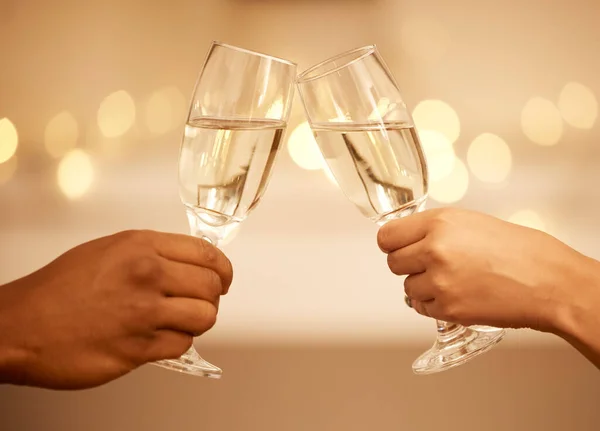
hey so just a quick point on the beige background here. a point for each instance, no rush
(329, 388)
(314, 334)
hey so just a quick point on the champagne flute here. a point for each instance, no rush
(368, 139)
(238, 116)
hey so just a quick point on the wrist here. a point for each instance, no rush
(13, 352)
(577, 313)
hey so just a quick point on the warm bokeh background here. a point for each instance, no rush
(314, 334)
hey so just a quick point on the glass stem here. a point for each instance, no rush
(448, 331)
(200, 230)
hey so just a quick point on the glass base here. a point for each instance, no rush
(191, 363)
(453, 350)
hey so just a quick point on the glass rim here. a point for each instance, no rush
(366, 50)
(256, 53)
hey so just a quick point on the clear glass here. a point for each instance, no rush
(370, 144)
(237, 119)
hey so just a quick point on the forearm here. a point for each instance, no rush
(579, 320)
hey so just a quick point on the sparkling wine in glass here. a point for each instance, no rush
(237, 119)
(370, 144)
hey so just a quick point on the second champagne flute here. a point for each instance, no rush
(370, 144)
(238, 115)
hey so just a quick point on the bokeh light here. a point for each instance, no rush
(439, 116)
(116, 114)
(578, 105)
(75, 173)
(303, 148)
(165, 110)
(8, 169)
(528, 218)
(9, 139)
(453, 187)
(439, 153)
(542, 122)
(489, 158)
(61, 134)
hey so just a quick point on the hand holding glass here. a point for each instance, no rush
(236, 122)
(371, 147)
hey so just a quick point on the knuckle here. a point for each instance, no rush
(229, 274)
(132, 236)
(439, 222)
(142, 314)
(144, 268)
(382, 237)
(436, 251)
(450, 312)
(385, 236)
(420, 308)
(209, 318)
(126, 235)
(440, 283)
(131, 243)
(409, 287)
(213, 284)
(445, 214)
(393, 264)
(445, 219)
(207, 251)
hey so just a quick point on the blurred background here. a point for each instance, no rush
(314, 333)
